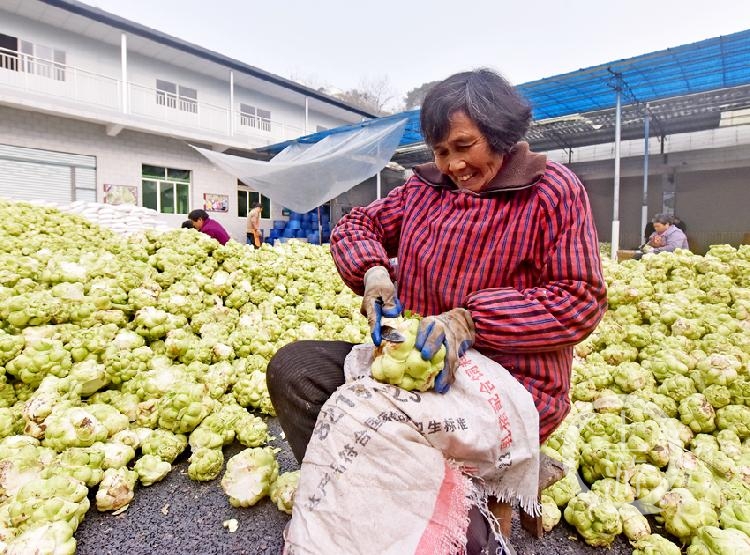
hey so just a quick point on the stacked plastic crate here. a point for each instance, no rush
(303, 226)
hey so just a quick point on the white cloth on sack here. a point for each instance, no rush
(394, 472)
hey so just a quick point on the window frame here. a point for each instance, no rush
(164, 96)
(252, 197)
(176, 96)
(252, 116)
(180, 189)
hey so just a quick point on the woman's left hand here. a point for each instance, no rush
(657, 241)
(455, 330)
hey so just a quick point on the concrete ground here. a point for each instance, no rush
(181, 517)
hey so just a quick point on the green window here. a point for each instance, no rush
(245, 201)
(166, 190)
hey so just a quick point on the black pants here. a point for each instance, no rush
(301, 377)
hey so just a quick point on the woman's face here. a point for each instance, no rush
(660, 227)
(465, 155)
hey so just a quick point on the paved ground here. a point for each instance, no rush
(179, 516)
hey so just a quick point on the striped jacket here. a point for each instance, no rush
(522, 256)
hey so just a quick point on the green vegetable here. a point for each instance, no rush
(697, 413)
(635, 526)
(73, 427)
(151, 469)
(205, 464)
(48, 537)
(164, 444)
(551, 515)
(655, 544)
(401, 364)
(116, 490)
(562, 491)
(736, 514)
(249, 475)
(684, 515)
(283, 489)
(595, 518)
(56, 498)
(711, 539)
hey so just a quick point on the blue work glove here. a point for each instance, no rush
(455, 330)
(379, 300)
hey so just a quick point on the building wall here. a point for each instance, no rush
(119, 159)
(712, 203)
(104, 59)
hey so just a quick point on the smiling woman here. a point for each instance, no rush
(466, 156)
(496, 249)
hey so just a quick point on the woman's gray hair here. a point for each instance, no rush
(664, 219)
(498, 109)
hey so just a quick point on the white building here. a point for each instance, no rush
(96, 107)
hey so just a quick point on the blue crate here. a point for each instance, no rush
(294, 224)
(279, 224)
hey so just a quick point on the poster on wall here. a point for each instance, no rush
(213, 202)
(120, 194)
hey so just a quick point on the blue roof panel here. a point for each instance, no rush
(710, 64)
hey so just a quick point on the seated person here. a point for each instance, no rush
(206, 225)
(666, 236)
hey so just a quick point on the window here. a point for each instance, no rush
(166, 94)
(188, 100)
(246, 199)
(247, 115)
(166, 190)
(264, 116)
(36, 59)
(8, 52)
(255, 117)
(172, 95)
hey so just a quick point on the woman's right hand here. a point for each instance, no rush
(379, 300)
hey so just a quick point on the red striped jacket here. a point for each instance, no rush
(523, 260)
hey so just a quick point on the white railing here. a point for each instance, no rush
(249, 125)
(70, 84)
(56, 80)
(186, 112)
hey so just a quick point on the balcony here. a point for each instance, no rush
(94, 96)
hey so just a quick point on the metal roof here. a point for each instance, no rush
(686, 88)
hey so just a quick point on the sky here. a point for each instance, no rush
(348, 44)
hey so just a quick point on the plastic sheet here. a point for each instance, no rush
(304, 176)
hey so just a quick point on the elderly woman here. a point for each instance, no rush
(666, 236)
(496, 249)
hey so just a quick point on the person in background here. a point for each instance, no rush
(254, 234)
(187, 224)
(650, 228)
(496, 248)
(206, 225)
(666, 236)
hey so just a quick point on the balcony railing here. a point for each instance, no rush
(30, 74)
(74, 86)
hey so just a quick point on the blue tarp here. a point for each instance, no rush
(710, 64)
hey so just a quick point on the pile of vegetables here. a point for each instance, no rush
(119, 354)
(658, 439)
